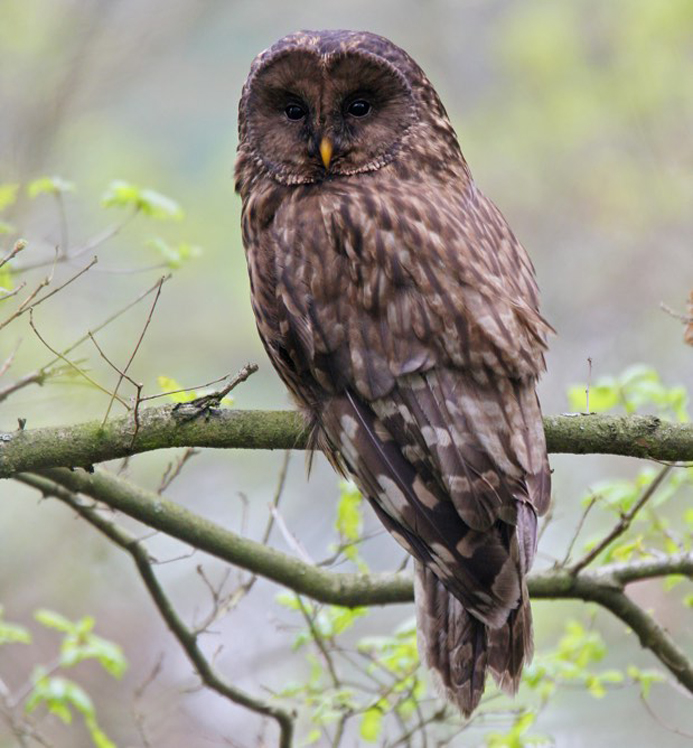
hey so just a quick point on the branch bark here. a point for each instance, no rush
(604, 586)
(185, 636)
(86, 444)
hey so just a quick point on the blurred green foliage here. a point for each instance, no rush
(60, 695)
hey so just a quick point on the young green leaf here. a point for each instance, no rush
(54, 620)
(49, 186)
(8, 194)
(121, 194)
(371, 725)
(349, 519)
(169, 385)
(12, 633)
(174, 257)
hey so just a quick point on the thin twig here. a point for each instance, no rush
(39, 376)
(661, 722)
(207, 402)
(578, 529)
(72, 365)
(29, 303)
(16, 249)
(603, 586)
(89, 246)
(10, 359)
(137, 385)
(317, 637)
(291, 540)
(123, 374)
(186, 638)
(623, 524)
(138, 716)
(174, 469)
(64, 234)
(248, 585)
(184, 389)
(13, 292)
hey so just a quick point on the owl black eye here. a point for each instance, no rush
(359, 108)
(295, 112)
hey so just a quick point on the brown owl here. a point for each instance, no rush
(402, 314)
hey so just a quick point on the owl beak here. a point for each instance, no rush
(326, 152)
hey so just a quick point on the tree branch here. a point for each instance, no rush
(158, 513)
(186, 637)
(163, 427)
(603, 585)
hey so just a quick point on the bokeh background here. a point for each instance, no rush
(576, 118)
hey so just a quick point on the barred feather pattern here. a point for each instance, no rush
(403, 315)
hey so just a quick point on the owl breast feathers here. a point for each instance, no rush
(402, 313)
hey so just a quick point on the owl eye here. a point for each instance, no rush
(295, 112)
(359, 108)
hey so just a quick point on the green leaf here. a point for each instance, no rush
(515, 737)
(53, 620)
(6, 282)
(12, 633)
(624, 551)
(109, 655)
(603, 397)
(349, 519)
(672, 580)
(371, 725)
(98, 736)
(49, 185)
(175, 257)
(60, 696)
(156, 205)
(645, 678)
(288, 600)
(8, 194)
(637, 387)
(169, 386)
(120, 194)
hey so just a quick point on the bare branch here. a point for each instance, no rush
(29, 303)
(123, 374)
(624, 523)
(16, 249)
(71, 364)
(39, 376)
(187, 638)
(603, 585)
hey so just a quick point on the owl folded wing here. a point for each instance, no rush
(427, 350)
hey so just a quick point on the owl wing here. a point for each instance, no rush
(417, 324)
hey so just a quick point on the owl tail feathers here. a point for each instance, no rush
(459, 649)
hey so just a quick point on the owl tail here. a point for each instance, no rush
(459, 649)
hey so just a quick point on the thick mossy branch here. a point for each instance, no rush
(160, 514)
(604, 585)
(167, 426)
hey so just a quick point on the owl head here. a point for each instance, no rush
(321, 105)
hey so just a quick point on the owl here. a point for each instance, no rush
(402, 314)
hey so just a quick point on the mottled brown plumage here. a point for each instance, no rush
(402, 313)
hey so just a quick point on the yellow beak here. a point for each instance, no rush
(326, 152)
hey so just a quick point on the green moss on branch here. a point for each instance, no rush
(86, 444)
